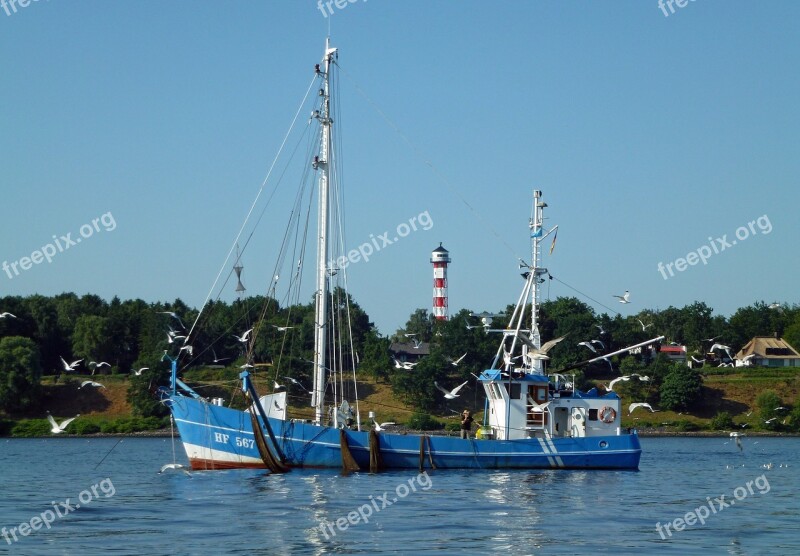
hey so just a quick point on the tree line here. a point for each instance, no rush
(133, 334)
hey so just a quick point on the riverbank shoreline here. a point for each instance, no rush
(643, 433)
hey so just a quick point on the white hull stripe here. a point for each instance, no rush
(546, 450)
(193, 451)
(552, 447)
(206, 425)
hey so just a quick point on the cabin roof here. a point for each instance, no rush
(409, 349)
(768, 347)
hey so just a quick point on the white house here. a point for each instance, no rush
(767, 351)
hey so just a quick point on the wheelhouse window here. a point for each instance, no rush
(516, 390)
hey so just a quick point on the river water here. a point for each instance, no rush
(105, 495)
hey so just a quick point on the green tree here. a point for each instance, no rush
(792, 333)
(417, 386)
(794, 417)
(376, 360)
(20, 371)
(681, 389)
(767, 402)
(722, 421)
(420, 323)
(755, 320)
(90, 338)
(570, 317)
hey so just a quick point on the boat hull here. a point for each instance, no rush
(216, 437)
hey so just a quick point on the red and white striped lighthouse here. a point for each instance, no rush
(440, 259)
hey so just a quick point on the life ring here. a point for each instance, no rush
(607, 414)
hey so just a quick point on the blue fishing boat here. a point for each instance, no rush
(532, 419)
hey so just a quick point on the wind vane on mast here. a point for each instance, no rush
(237, 268)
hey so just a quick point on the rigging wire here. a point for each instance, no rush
(418, 152)
(584, 295)
(255, 201)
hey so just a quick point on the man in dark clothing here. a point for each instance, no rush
(466, 423)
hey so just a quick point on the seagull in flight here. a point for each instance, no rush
(726, 349)
(451, 394)
(90, 383)
(217, 359)
(602, 330)
(588, 345)
(380, 427)
(537, 408)
(70, 366)
(710, 340)
(174, 467)
(140, 371)
(696, 360)
(611, 384)
(296, 382)
(244, 337)
(417, 343)
(404, 365)
(645, 326)
(640, 404)
(283, 328)
(94, 365)
(540, 353)
(7, 314)
(171, 337)
(625, 297)
(174, 316)
(59, 428)
(188, 348)
(457, 361)
(508, 360)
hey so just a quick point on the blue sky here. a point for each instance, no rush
(648, 135)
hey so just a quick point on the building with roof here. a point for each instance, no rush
(674, 353)
(409, 352)
(767, 351)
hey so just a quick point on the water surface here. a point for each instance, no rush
(135, 510)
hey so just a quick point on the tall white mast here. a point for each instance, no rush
(322, 164)
(537, 235)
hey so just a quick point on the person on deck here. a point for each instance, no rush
(466, 423)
